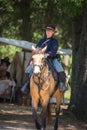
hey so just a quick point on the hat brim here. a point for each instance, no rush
(50, 28)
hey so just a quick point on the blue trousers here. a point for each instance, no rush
(57, 65)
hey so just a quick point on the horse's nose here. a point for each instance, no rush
(36, 70)
(36, 74)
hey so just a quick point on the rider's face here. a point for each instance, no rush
(49, 33)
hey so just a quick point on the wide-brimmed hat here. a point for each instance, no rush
(52, 27)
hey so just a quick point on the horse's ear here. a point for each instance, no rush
(44, 49)
(33, 48)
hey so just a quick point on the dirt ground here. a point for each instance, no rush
(16, 117)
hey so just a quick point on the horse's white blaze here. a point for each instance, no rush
(37, 62)
(36, 70)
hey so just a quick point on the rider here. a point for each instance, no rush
(50, 53)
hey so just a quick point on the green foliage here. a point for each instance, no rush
(67, 94)
(71, 8)
(8, 51)
(37, 36)
(21, 19)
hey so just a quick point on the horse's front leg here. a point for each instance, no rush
(44, 102)
(34, 112)
(57, 118)
(43, 117)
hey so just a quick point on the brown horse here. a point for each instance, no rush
(42, 88)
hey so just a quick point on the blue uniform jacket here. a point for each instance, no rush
(51, 43)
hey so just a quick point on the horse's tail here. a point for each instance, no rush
(48, 118)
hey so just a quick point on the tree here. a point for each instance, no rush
(79, 75)
(23, 13)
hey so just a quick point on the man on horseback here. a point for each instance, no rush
(51, 55)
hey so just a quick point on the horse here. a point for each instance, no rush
(42, 88)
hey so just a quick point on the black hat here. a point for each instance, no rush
(50, 27)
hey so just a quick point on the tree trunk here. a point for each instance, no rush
(25, 30)
(49, 13)
(78, 103)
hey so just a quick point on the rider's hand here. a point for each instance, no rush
(46, 55)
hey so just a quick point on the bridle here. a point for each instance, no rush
(40, 79)
(40, 67)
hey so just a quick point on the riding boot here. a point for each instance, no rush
(62, 80)
(25, 87)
